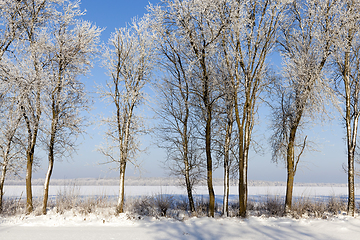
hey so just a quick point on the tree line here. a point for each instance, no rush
(209, 63)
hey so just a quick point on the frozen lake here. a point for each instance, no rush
(255, 192)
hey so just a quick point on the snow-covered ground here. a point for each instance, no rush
(72, 225)
(54, 227)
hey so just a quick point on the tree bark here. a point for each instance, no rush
(209, 165)
(227, 163)
(244, 141)
(120, 205)
(186, 163)
(47, 182)
(29, 203)
(226, 186)
(2, 181)
(289, 179)
(51, 165)
(351, 186)
(351, 118)
(189, 189)
(351, 136)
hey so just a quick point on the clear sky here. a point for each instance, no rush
(324, 165)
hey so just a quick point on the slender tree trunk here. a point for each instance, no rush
(186, 148)
(2, 181)
(189, 189)
(351, 185)
(209, 166)
(290, 162)
(351, 140)
(242, 205)
(243, 155)
(187, 171)
(290, 179)
(350, 133)
(243, 185)
(47, 178)
(120, 205)
(226, 188)
(29, 203)
(227, 167)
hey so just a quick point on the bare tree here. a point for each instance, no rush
(177, 128)
(129, 63)
(177, 135)
(346, 60)
(306, 46)
(73, 45)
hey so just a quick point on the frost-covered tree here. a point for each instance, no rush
(32, 61)
(72, 46)
(129, 61)
(250, 38)
(199, 25)
(305, 46)
(11, 96)
(346, 59)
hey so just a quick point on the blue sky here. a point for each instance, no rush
(324, 165)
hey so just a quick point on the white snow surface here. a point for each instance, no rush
(105, 225)
(69, 226)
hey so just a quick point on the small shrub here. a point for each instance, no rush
(336, 205)
(201, 207)
(142, 206)
(305, 206)
(12, 206)
(163, 202)
(182, 204)
(274, 206)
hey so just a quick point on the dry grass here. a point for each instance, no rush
(166, 205)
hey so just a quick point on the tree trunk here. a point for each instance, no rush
(351, 185)
(351, 145)
(2, 181)
(209, 166)
(47, 180)
(243, 155)
(120, 204)
(189, 187)
(29, 203)
(289, 185)
(242, 184)
(227, 167)
(290, 162)
(351, 133)
(226, 188)
(243, 187)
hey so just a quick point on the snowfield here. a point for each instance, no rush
(104, 225)
(56, 227)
